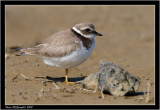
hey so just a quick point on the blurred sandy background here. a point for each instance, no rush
(128, 41)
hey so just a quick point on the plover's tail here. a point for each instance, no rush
(30, 51)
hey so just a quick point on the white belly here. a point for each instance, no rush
(74, 59)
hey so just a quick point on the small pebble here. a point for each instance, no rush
(141, 98)
(20, 93)
(26, 61)
(146, 78)
(69, 90)
(44, 83)
(24, 97)
(42, 90)
(39, 95)
(152, 84)
(37, 99)
(53, 97)
(62, 89)
(13, 94)
(99, 97)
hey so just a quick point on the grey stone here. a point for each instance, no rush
(112, 79)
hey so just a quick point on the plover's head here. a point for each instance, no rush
(86, 30)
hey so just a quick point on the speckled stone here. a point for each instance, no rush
(112, 79)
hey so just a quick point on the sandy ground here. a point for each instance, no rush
(128, 41)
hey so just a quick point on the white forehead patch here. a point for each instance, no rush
(87, 36)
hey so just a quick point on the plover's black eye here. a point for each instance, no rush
(88, 30)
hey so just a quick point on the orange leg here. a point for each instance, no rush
(66, 77)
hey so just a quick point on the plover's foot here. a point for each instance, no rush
(69, 82)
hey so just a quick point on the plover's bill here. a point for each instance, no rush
(66, 49)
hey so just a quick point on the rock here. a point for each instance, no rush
(69, 90)
(42, 90)
(20, 93)
(13, 94)
(146, 78)
(112, 79)
(91, 81)
(24, 97)
(54, 96)
(141, 98)
(44, 83)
